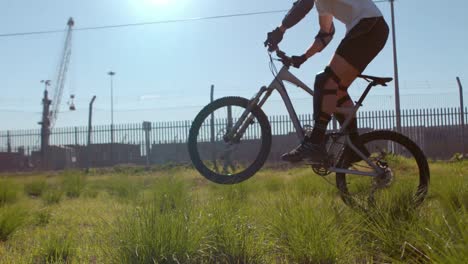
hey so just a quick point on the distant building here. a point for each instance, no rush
(57, 158)
(11, 161)
(103, 155)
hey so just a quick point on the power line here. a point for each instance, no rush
(143, 23)
(43, 32)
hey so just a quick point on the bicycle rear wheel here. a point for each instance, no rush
(404, 181)
(223, 159)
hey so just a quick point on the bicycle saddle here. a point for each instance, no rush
(377, 80)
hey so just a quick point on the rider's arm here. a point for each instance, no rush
(299, 10)
(325, 35)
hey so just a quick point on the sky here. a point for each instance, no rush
(164, 71)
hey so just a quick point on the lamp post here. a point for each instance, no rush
(395, 67)
(111, 74)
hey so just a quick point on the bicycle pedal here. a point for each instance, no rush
(321, 170)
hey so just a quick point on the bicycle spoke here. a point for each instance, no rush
(401, 177)
(221, 151)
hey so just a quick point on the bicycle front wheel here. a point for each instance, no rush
(223, 155)
(404, 180)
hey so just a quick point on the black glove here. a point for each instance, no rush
(273, 39)
(298, 60)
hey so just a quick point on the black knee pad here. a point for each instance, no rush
(352, 126)
(341, 101)
(319, 91)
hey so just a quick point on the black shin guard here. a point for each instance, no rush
(318, 132)
(322, 118)
(319, 88)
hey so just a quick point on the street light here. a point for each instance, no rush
(111, 74)
(395, 67)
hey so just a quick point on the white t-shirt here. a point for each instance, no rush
(350, 12)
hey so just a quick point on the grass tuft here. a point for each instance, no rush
(55, 248)
(304, 231)
(11, 219)
(158, 230)
(230, 234)
(35, 188)
(73, 183)
(52, 196)
(42, 217)
(8, 192)
(123, 187)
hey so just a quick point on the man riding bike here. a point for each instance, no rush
(366, 35)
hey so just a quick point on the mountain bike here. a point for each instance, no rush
(230, 140)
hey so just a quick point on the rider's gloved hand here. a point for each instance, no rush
(298, 60)
(273, 39)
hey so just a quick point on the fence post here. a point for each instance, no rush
(8, 142)
(462, 115)
(76, 136)
(147, 129)
(88, 156)
(212, 126)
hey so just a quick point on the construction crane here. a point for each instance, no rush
(51, 108)
(61, 76)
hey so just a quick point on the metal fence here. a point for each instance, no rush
(161, 133)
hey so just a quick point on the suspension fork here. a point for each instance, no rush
(246, 118)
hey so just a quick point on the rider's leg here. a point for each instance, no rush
(326, 87)
(344, 111)
(358, 48)
(325, 99)
(327, 105)
(344, 107)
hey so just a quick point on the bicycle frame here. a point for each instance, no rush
(278, 84)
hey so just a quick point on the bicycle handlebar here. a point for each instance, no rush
(286, 60)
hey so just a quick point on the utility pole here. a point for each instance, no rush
(462, 116)
(111, 74)
(147, 129)
(212, 131)
(90, 129)
(395, 67)
(212, 116)
(45, 124)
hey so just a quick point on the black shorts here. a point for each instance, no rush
(363, 42)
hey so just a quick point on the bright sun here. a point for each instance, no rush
(158, 8)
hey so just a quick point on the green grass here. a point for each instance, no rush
(157, 229)
(52, 196)
(173, 215)
(73, 183)
(8, 192)
(55, 248)
(36, 187)
(11, 219)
